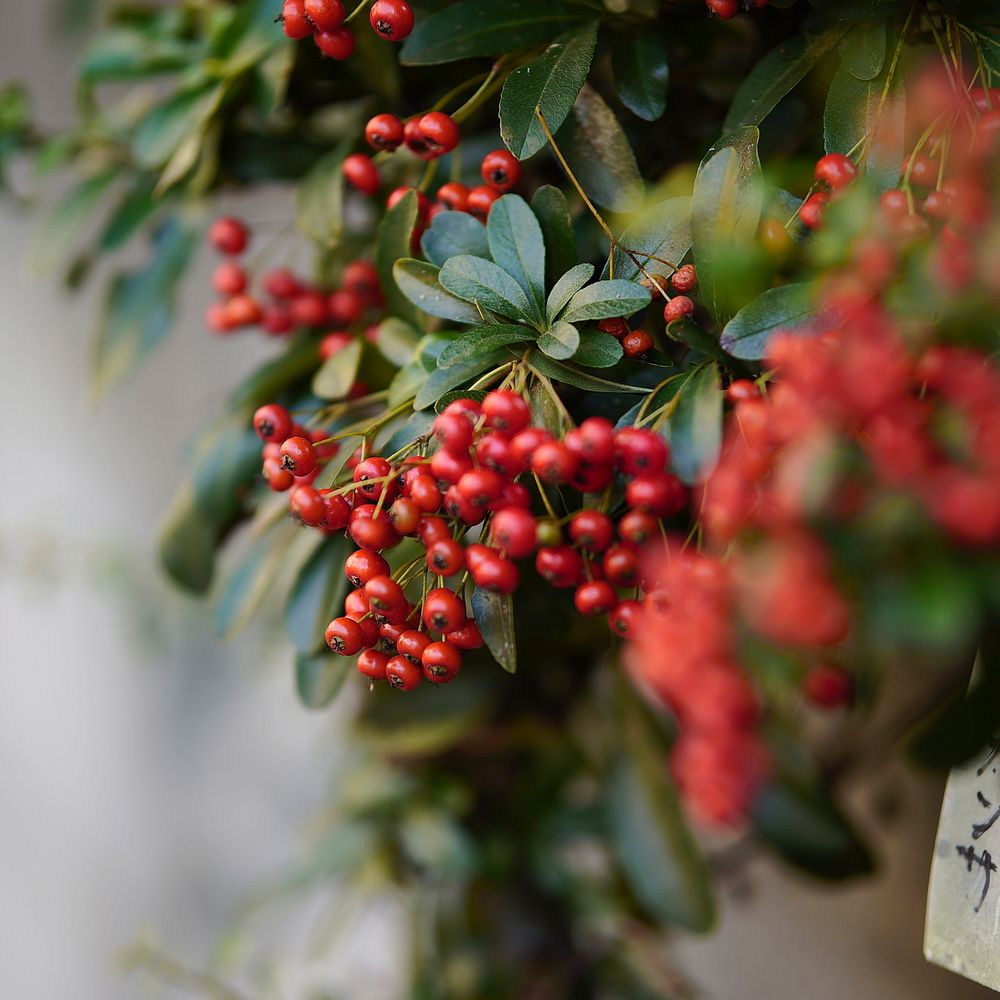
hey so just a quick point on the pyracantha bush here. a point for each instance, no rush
(633, 423)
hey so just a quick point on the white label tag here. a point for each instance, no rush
(962, 931)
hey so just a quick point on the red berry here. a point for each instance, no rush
(679, 307)
(592, 529)
(372, 532)
(298, 456)
(402, 674)
(457, 506)
(308, 505)
(325, 14)
(596, 437)
(384, 594)
(684, 278)
(229, 235)
(365, 565)
(356, 604)
(624, 618)
(372, 664)
(515, 531)
(229, 278)
(635, 343)
(656, 493)
(506, 411)
(272, 423)
(725, 9)
(276, 320)
(638, 450)
(281, 284)
(294, 22)
(524, 445)
(345, 307)
(404, 515)
(553, 462)
(836, 171)
(621, 565)
(439, 132)
(454, 432)
(481, 200)
(415, 141)
(894, 203)
(334, 342)
(384, 132)
(494, 452)
(398, 194)
(496, 574)
(391, 19)
(425, 494)
(361, 278)
(480, 486)
(444, 610)
(741, 390)
(446, 557)
(242, 310)
(616, 326)
(828, 686)
(378, 469)
(337, 44)
(431, 530)
(344, 636)
(466, 637)
(922, 170)
(449, 467)
(475, 554)
(596, 597)
(362, 173)
(441, 662)
(278, 479)
(308, 309)
(454, 196)
(338, 511)
(812, 209)
(411, 645)
(501, 170)
(637, 527)
(560, 565)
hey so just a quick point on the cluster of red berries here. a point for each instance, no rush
(683, 653)
(727, 9)
(834, 173)
(286, 301)
(323, 21)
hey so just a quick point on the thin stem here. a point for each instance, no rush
(357, 10)
(544, 495)
(493, 81)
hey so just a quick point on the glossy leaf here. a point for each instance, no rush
(454, 233)
(485, 27)
(566, 287)
(599, 153)
(339, 372)
(442, 380)
(224, 467)
(320, 677)
(494, 614)
(317, 595)
(695, 428)
(393, 243)
(664, 231)
(169, 124)
(518, 246)
(187, 541)
(486, 338)
(639, 63)
(782, 308)
(485, 284)
(569, 375)
(560, 341)
(550, 207)
(862, 50)
(598, 350)
(418, 281)
(606, 299)
(551, 83)
(397, 341)
(319, 199)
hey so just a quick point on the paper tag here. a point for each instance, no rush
(962, 931)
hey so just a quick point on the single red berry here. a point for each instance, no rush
(741, 390)
(424, 492)
(356, 604)
(446, 557)
(506, 411)
(467, 637)
(326, 15)
(469, 408)
(372, 664)
(939, 205)
(384, 132)
(894, 203)
(454, 196)
(621, 565)
(591, 478)
(560, 565)
(372, 532)
(596, 597)
(496, 574)
(448, 466)
(592, 529)
(725, 9)
(415, 141)
(338, 511)
(402, 674)
(334, 342)
(362, 173)
(404, 515)
(369, 628)
(229, 278)
(657, 493)
(280, 283)
(553, 462)
(494, 452)
(481, 200)
(624, 618)
(684, 278)
(298, 456)
(384, 594)
(524, 445)
(389, 633)
(458, 506)
(441, 662)
(391, 19)
(501, 170)
(616, 326)
(344, 636)
(444, 610)
(308, 309)
(922, 170)
(361, 278)
(365, 565)
(380, 470)
(639, 450)
(411, 645)
(514, 495)
(294, 22)
(812, 209)
(278, 479)
(836, 171)
(398, 194)
(638, 527)
(475, 554)
(431, 530)
(337, 44)
(345, 307)
(636, 343)
(515, 531)
(828, 686)
(229, 235)
(679, 307)
(439, 132)
(272, 423)
(243, 310)
(454, 432)
(481, 486)
(596, 441)
(276, 320)
(308, 505)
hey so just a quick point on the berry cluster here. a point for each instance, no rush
(323, 21)
(834, 173)
(285, 300)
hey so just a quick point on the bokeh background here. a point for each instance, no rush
(153, 780)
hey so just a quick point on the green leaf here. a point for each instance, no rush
(139, 308)
(67, 220)
(485, 28)
(518, 246)
(442, 380)
(551, 83)
(862, 51)
(560, 341)
(319, 199)
(490, 287)
(452, 234)
(804, 825)
(317, 595)
(664, 231)
(854, 109)
(319, 677)
(696, 425)
(598, 350)
(397, 341)
(494, 614)
(339, 372)
(125, 53)
(419, 283)
(783, 308)
(568, 375)
(393, 243)
(182, 115)
(549, 205)
(656, 850)
(606, 299)
(781, 70)
(596, 148)
(187, 541)
(132, 212)
(224, 467)
(566, 287)
(725, 211)
(485, 338)
(639, 63)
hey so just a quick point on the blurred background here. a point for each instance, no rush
(153, 778)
